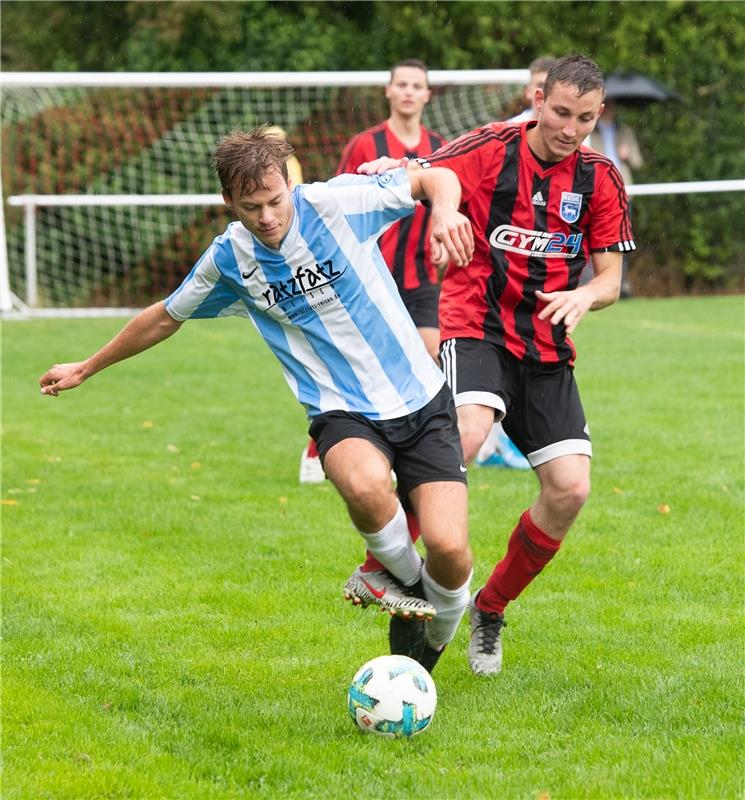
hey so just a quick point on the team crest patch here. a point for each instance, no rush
(571, 205)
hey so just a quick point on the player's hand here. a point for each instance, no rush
(451, 238)
(566, 307)
(381, 165)
(61, 377)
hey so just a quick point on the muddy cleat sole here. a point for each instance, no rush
(485, 646)
(381, 589)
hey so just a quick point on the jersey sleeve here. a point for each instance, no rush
(372, 203)
(610, 223)
(355, 153)
(202, 294)
(470, 156)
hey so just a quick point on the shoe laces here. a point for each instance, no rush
(489, 627)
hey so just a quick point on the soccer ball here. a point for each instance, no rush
(392, 696)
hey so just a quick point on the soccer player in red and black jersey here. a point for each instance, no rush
(541, 205)
(405, 246)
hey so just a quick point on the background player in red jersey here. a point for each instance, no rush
(405, 247)
(541, 205)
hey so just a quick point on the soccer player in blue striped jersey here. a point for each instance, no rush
(303, 266)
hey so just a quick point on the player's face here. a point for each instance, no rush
(407, 92)
(537, 79)
(565, 119)
(266, 212)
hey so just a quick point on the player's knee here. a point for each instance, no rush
(368, 492)
(450, 543)
(572, 494)
(451, 560)
(471, 439)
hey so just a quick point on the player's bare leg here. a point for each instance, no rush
(474, 424)
(442, 510)
(362, 475)
(565, 486)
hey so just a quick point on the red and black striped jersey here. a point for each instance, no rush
(535, 227)
(405, 246)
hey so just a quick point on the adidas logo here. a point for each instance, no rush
(538, 199)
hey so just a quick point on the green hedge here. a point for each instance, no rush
(687, 243)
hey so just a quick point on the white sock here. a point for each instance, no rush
(451, 604)
(392, 546)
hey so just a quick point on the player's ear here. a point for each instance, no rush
(540, 99)
(226, 199)
(429, 95)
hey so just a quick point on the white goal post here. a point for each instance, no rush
(109, 197)
(144, 134)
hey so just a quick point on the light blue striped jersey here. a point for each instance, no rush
(325, 302)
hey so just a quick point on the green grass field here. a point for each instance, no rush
(172, 612)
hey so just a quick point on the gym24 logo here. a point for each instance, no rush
(536, 243)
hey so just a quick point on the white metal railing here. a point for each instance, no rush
(266, 80)
(30, 202)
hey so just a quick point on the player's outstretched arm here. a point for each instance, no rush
(143, 331)
(603, 290)
(451, 236)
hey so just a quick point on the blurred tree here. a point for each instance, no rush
(696, 48)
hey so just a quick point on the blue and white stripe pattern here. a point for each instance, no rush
(325, 301)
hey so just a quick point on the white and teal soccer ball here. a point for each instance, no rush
(392, 696)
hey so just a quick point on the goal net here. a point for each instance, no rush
(120, 198)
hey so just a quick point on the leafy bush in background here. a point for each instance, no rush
(692, 242)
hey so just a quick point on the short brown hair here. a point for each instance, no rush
(411, 62)
(575, 70)
(242, 158)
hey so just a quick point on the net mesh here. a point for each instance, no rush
(77, 140)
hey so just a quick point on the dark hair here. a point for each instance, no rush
(242, 158)
(411, 62)
(577, 71)
(541, 64)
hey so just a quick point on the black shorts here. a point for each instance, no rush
(422, 304)
(539, 404)
(422, 447)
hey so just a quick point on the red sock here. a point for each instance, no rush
(372, 564)
(312, 449)
(528, 552)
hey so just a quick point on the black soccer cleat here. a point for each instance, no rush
(429, 657)
(406, 636)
